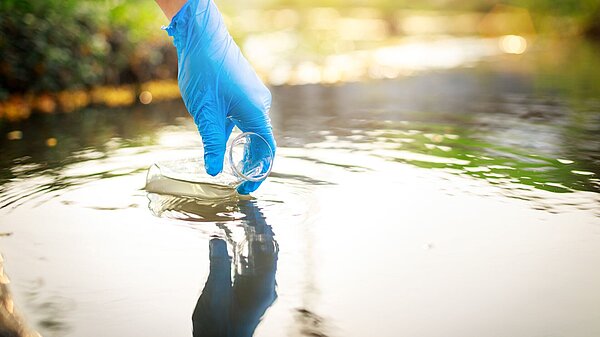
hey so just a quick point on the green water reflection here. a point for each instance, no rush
(529, 120)
(499, 165)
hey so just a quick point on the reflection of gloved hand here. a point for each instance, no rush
(212, 315)
(219, 87)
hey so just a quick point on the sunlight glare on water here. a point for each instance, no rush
(459, 202)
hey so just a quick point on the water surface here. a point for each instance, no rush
(455, 202)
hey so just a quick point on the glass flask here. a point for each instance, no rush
(248, 157)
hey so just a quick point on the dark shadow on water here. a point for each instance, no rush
(234, 307)
(231, 304)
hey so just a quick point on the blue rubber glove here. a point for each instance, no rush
(219, 87)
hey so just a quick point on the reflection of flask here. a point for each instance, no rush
(248, 157)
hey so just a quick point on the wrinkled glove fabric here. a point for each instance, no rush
(219, 87)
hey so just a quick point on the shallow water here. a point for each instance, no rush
(461, 202)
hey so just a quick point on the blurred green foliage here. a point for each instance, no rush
(52, 45)
(584, 13)
(48, 45)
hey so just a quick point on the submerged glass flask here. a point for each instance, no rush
(248, 157)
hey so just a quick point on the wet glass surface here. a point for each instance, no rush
(460, 201)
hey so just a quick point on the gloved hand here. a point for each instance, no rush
(219, 87)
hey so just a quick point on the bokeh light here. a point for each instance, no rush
(146, 97)
(51, 142)
(513, 44)
(14, 135)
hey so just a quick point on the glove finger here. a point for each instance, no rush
(262, 127)
(259, 152)
(212, 128)
(248, 187)
(258, 158)
(250, 113)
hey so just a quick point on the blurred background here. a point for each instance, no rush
(63, 55)
(444, 151)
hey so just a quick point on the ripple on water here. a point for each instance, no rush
(193, 209)
(464, 152)
(362, 188)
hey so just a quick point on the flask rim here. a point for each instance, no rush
(235, 168)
